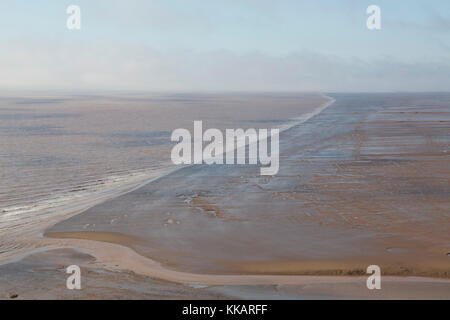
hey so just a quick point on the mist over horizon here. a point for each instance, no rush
(238, 46)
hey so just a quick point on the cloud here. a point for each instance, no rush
(109, 67)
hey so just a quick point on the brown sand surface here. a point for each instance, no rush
(117, 272)
(365, 182)
(43, 275)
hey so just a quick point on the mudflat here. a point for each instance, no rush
(364, 182)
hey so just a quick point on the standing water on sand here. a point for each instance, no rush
(59, 153)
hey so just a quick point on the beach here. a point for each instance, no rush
(362, 181)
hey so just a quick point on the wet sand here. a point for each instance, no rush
(111, 271)
(364, 182)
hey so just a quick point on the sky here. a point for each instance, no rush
(225, 45)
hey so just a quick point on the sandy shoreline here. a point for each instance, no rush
(111, 250)
(121, 236)
(115, 270)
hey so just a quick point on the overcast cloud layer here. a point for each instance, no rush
(225, 46)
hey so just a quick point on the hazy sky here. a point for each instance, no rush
(193, 45)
